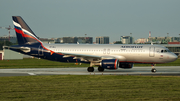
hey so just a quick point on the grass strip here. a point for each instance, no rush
(91, 87)
(37, 63)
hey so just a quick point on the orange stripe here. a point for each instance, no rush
(115, 64)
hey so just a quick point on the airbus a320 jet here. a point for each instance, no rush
(105, 56)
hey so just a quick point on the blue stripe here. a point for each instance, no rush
(23, 31)
(17, 27)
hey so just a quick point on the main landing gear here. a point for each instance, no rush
(100, 69)
(91, 69)
(153, 69)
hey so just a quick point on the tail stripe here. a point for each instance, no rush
(27, 32)
(16, 24)
(24, 32)
(25, 35)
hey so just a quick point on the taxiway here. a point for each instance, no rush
(161, 70)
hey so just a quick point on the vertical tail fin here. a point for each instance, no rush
(23, 32)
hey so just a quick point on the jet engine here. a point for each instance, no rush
(110, 64)
(126, 65)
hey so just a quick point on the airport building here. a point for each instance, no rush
(7, 54)
(127, 39)
(85, 40)
(102, 40)
(163, 40)
(12, 39)
(1, 55)
(75, 40)
(141, 40)
(160, 39)
(46, 40)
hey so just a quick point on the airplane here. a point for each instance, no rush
(105, 56)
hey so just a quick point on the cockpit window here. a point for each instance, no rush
(164, 51)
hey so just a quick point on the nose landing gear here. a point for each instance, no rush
(153, 69)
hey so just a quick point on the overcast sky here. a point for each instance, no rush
(113, 18)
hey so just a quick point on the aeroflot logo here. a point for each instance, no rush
(131, 46)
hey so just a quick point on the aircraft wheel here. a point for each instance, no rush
(100, 69)
(90, 69)
(153, 70)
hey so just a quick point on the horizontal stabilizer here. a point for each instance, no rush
(24, 49)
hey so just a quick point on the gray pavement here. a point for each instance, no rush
(161, 70)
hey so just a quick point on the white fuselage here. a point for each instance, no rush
(124, 53)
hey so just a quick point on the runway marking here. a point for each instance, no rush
(31, 73)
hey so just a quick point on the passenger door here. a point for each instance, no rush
(151, 51)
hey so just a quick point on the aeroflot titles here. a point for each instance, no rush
(131, 46)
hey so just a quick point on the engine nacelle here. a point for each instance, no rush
(126, 65)
(110, 64)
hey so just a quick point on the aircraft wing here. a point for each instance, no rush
(89, 58)
(82, 57)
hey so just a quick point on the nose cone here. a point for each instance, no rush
(173, 57)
